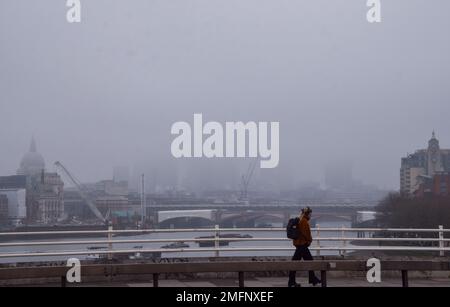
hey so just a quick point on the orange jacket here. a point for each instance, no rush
(305, 237)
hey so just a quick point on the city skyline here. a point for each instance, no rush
(339, 175)
(95, 96)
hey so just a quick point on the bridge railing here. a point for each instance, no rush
(111, 271)
(364, 240)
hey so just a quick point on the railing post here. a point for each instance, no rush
(441, 241)
(318, 239)
(405, 278)
(155, 280)
(342, 253)
(241, 279)
(110, 246)
(323, 277)
(216, 240)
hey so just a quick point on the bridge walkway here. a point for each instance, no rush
(270, 282)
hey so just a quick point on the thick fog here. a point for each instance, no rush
(105, 92)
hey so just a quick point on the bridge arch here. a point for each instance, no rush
(187, 222)
(251, 219)
(186, 218)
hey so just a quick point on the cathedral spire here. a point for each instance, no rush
(433, 135)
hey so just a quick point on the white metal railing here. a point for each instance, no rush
(435, 244)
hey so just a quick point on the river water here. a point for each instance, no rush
(284, 242)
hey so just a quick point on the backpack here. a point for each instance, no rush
(291, 228)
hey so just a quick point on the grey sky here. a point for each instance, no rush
(105, 92)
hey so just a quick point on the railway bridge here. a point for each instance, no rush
(241, 218)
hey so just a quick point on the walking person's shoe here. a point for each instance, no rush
(294, 285)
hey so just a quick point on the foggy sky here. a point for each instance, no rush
(106, 92)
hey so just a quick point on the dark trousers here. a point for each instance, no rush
(302, 252)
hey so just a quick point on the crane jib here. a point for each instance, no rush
(89, 202)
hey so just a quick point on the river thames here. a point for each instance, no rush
(180, 236)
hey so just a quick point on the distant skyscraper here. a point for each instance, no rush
(424, 163)
(121, 174)
(339, 175)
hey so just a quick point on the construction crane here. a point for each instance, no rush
(90, 204)
(245, 180)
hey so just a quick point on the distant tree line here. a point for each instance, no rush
(397, 211)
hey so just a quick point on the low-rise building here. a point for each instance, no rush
(16, 201)
(48, 204)
(3, 209)
(115, 204)
(424, 163)
(438, 185)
